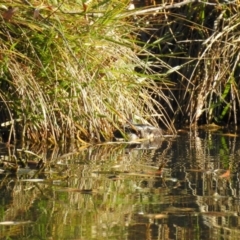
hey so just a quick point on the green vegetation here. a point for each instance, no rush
(68, 71)
(199, 40)
(79, 70)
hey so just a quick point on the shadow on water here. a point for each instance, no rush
(175, 188)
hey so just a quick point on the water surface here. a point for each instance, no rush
(175, 188)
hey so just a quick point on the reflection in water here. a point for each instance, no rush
(175, 188)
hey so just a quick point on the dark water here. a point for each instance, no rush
(178, 188)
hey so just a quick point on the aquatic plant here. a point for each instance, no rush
(73, 70)
(199, 40)
(80, 70)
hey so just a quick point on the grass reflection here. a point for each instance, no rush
(180, 189)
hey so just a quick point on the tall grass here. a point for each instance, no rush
(73, 70)
(199, 40)
(68, 71)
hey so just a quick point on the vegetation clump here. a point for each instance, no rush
(80, 70)
(199, 40)
(68, 71)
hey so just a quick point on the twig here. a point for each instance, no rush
(164, 6)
